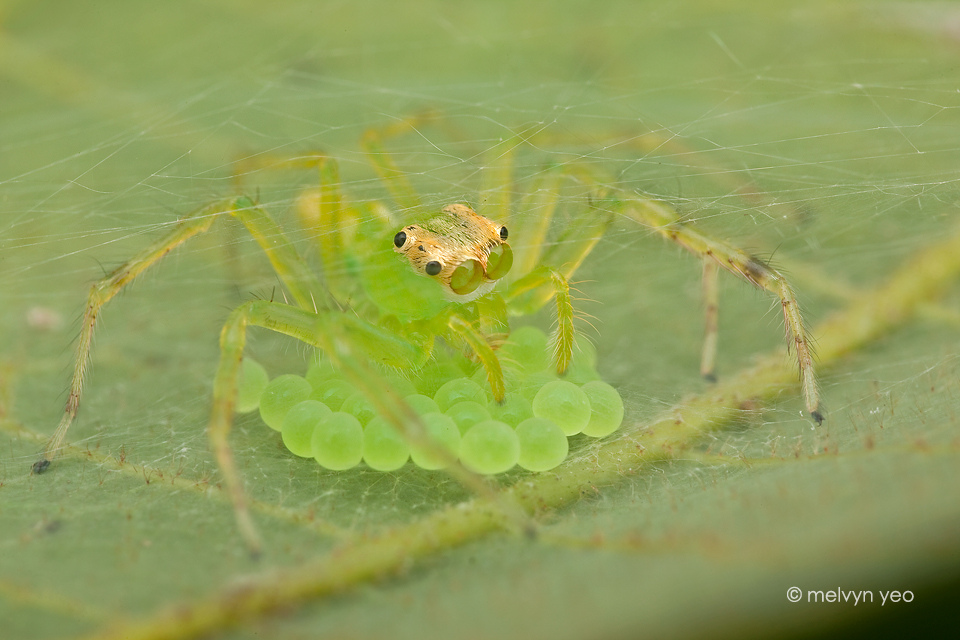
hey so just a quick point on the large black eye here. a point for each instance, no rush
(433, 268)
(503, 233)
(399, 239)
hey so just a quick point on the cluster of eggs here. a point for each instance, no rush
(322, 416)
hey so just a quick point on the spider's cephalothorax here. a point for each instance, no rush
(464, 251)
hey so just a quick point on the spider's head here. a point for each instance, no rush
(465, 252)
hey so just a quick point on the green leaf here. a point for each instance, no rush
(819, 135)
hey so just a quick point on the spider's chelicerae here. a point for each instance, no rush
(396, 316)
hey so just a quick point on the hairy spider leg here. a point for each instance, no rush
(571, 248)
(372, 141)
(665, 220)
(327, 331)
(580, 235)
(321, 210)
(288, 267)
(561, 259)
(497, 179)
(393, 179)
(537, 287)
(579, 239)
(539, 205)
(711, 308)
(484, 352)
(497, 173)
(331, 224)
(492, 318)
(558, 260)
(643, 144)
(534, 286)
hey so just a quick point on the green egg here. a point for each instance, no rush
(434, 374)
(565, 404)
(320, 371)
(459, 390)
(490, 447)
(543, 444)
(299, 425)
(514, 409)
(530, 385)
(443, 432)
(467, 413)
(279, 396)
(480, 377)
(332, 392)
(422, 404)
(358, 406)
(253, 380)
(337, 442)
(400, 385)
(384, 449)
(606, 409)
(580, 374)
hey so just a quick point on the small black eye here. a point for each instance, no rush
(503, 233)
(399, 239)
(433, 268)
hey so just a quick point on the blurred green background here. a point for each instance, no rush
(117, 118)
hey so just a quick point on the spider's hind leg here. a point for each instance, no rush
(662, 218)
(711, 307)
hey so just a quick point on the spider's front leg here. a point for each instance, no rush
(100, 294)
(291, 271)
(667, 222)
(552, 265)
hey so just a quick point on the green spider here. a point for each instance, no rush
(369, 314)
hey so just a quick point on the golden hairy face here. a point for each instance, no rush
(465, 252)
